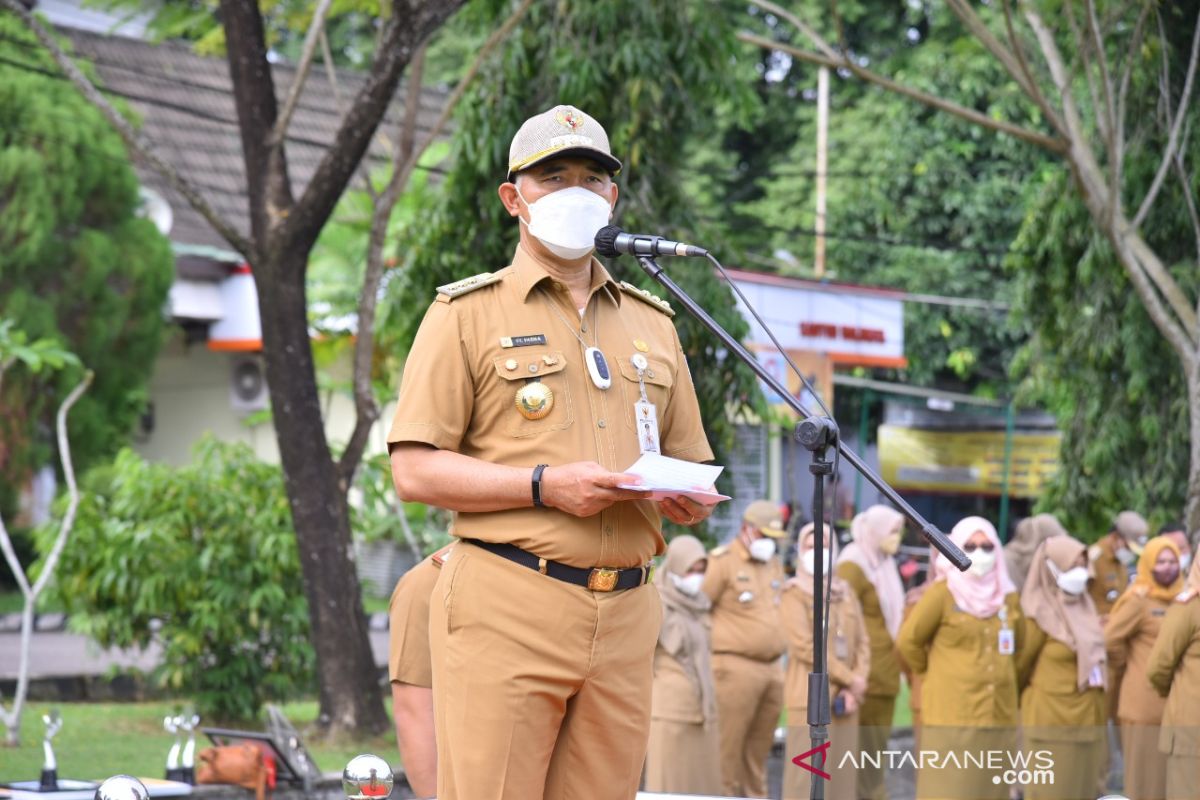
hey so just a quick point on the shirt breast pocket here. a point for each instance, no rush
(535, 394)
(658, 377)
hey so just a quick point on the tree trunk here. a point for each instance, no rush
(350, 699)
(1191, 512)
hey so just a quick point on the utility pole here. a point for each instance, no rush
(822, 148)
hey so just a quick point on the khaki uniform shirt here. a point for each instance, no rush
(884, 680)
(966, 680)
(1175, 668)
(460, 384)
(1109, 575)
(408, 623)
(849, 651)
(1129, 637)
(1052, 703)
(745, 597)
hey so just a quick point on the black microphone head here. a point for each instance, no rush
(606, 241)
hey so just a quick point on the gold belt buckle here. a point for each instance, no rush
(603, 580)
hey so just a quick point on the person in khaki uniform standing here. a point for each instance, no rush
(868, 567)
(1129, 636)
(542, 629)
(685, 747)
(1174, 672)
(848, 661)
(1063, 671)
(1030, 532)
(962, 639)
(1113, 557)
(411, 672)
(743, 581)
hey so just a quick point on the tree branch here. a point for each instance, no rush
(137, 143)
(1038, 97)
(315, 31)
(1084, 48)
(340, 105)
(407, 27)
(1049, 143)
(1007, 60)
(1110, 110)
(1176, 126)
(407, 156)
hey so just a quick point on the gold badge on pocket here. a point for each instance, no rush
(534, 400)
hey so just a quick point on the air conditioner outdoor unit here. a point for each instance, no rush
(248, 385)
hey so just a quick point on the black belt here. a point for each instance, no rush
(600, 579)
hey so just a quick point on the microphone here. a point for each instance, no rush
(612, 241)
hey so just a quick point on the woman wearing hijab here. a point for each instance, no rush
(1062, 668)
(962, 638)
(866, 565)
(911, 597)
(1174, 671)
(684, 754)
(1031, 531)
(848, 659)
(1129, 636)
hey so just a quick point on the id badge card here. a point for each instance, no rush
(1096, 677)
(647, 426)
(841, 649)
(1007, 643)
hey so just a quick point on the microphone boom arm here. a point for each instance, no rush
(931, 533)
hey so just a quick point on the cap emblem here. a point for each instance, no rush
(569, 118)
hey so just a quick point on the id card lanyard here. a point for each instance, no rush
(1007, 642)
(644, 412)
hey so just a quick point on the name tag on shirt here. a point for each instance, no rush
(1096, 677)
(647, 426)
(1007, 643)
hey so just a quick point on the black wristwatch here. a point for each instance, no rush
(536, 484)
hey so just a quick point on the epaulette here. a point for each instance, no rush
(648, 297)
(441, 556)
(1141, 591)
(717, 552)
(459, 288)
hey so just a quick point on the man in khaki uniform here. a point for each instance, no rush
(411, 673)
(1112, 558)
(1174, 672)
(541, 626)
(744, 581)
(1177, 533)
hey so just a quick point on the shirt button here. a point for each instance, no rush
(533, 367)
(601, 423)
(608, 528)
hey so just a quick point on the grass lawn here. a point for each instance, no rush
(902, 718)
(103, 739)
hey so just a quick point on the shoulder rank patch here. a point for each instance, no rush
(459, 288)
(648, 297)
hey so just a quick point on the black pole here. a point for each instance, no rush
(934, 536)
(817, 434)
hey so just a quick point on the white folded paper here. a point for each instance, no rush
(671, 477)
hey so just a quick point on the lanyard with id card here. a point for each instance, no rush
(1006, 644)
(644, 413)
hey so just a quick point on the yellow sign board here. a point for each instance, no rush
(966, 462)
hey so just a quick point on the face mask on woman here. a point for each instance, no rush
(1073, 581)
(688, 584)
(982, 562)
(809, 560)
(567, 221)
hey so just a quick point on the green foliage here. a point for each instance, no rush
(637, 66)
(1096, 360)
(79, 266)
(35, 356)
(902, 175)
(208, 553)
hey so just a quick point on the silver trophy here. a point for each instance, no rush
(367, 777)
(172, 725)
(122, 787)
(49, 781)
(187, 763)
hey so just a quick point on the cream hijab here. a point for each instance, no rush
(804, 579)
(868, 529)
(1030, 532)
(686, 619)
(1070, 619)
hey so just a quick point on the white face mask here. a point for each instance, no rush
(1073, 581)
(762, 549)
(891, 544)
(982, 562)
(809, 560)
(567, 221)
(688, 584)
(1126, 556)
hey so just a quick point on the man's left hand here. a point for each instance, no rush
(683, 511)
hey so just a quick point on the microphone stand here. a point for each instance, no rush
(816, 434)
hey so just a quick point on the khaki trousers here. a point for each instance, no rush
(843, 740)
(683, 758)
(749, 701)
(875, 729)
(541, 688)
(1183, 777)
(1145, 766)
